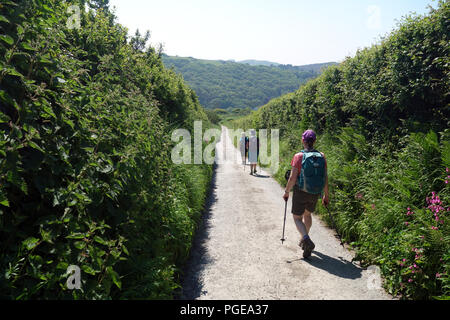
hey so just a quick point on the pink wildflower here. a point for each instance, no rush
(438, 275)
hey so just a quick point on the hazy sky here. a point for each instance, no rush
(293, 32)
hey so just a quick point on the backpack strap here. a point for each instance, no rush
(313, 150)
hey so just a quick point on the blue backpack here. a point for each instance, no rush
(312, 177)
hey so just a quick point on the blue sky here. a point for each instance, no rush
(293, 32)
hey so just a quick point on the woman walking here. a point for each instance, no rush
(253, 151)
(309, 179)
(243, 142)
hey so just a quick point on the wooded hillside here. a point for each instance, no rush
(226, 84)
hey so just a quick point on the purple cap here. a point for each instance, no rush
(309, 135)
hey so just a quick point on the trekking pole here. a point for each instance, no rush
(334, 225)
(284, 223)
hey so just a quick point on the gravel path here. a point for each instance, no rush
(238, 255)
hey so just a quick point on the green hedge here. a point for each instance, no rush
(85, 171)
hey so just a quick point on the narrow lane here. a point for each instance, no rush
(238, 254)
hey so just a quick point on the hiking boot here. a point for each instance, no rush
(308, 247)
(301, 244)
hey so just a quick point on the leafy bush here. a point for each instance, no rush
(85, 172)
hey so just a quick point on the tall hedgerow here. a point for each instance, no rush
(86, 177)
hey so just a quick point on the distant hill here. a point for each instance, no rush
(225, 84)
(259, 63)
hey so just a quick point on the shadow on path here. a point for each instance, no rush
(261, 176)
(339, 267)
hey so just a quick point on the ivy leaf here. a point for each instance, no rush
(3, 200)
(35, 146)
(10, 3)
(20, 30)
(27, 46)
(114, 276)
(100, 240)
(12, 72)
(89, 270)
(8, 39)
(76, 235)
(6, 98)
(3, 19)
(46, 236)
(125, 250)
(45, 59)
(48, 109)
(62, 265)
(80, 245)
(30, 243)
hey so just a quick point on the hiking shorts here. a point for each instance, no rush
(302, 201)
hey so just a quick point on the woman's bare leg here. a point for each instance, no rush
(307, 220)
(300, 225)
